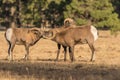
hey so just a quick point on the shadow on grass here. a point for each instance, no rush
(61, 71)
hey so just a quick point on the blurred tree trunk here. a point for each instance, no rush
(12, 13)
(13, 21)
(18, 13)
(7, 14)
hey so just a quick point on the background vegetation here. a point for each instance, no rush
(104, 14)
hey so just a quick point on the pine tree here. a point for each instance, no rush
(100, 12)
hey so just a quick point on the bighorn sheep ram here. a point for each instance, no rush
(22, 36)
(68, 23)
(58, 30)
(72, 36)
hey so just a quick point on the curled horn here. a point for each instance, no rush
(68, 22)
(51, 34)
(34, 30)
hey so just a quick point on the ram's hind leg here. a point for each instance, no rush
(10, 51)
(71, 53)
(93, 51)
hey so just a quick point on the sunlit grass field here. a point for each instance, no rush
(42, 66)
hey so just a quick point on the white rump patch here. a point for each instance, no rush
(9, 33)
(94, 32)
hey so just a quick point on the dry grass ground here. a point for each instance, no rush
(41, 65)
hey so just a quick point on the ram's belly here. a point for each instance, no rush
(20, 42)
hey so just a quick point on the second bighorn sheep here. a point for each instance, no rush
(68, 23)
(58, 30)
(70, 37)
(22, 36)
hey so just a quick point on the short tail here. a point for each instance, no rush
(94, 32)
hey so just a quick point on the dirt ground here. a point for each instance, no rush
(42, 55)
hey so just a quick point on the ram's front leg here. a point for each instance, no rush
(58, 51)
(26, 57)
(65, 52)
(71, 53)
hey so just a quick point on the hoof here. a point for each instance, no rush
(73, 60)
(92, 60)
(65, 60)
(24, 59)
(56, 60)
(10, 60)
